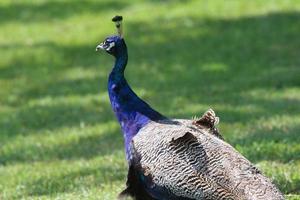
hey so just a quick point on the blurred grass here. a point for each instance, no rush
(59, 138)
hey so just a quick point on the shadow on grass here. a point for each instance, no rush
(86, 147)
(52, 10)
(50, 117)
(47, 58)
(231, 55)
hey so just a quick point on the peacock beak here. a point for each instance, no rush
(100, 46)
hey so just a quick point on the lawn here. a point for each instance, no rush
(58, 136)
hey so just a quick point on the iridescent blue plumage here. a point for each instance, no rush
(132, 112)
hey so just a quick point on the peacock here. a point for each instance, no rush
(176, 159)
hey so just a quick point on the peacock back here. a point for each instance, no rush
(179, 159)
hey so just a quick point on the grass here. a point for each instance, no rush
(58, 136)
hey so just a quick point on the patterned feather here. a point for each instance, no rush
(185, 161)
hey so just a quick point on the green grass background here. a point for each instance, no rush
(58, 136)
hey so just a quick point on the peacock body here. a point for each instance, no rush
(172, 159)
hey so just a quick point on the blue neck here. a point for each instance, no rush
(132, 112)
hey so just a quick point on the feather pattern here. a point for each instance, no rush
(190, 162)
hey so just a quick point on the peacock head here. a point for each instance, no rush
(112, 45)
(115, 44)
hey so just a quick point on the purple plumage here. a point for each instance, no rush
(131, 111)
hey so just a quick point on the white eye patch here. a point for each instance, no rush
(112, 44)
